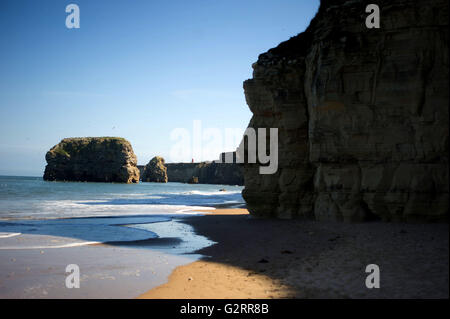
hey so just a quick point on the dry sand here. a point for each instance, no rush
(263, 258)
(208, 279)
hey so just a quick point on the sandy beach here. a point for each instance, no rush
(227, 253)
(262, 258)
(33, 264)
(106, 271)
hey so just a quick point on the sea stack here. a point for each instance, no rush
(92, 159)
(362, 116)
(155, 171)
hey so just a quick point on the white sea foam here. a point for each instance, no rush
(69, 245)
(8, 235)
(224, 193)
(93, 208)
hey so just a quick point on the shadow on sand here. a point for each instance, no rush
(328, 259)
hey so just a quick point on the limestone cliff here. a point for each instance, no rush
(362, 116)
(206, 173)
(92, 159)
(155, 171)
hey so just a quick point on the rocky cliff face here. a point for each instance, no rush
(206, 172)
(93, 159)
(155, 171)
(141, 169)
(362, 116)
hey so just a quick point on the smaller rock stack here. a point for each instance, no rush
(155, 171)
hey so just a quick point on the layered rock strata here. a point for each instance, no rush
(206, 173)
(92, 159)
(362, 116)
(155, 171)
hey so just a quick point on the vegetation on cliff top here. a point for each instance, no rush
(74, 144)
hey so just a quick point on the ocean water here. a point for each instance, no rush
(31, 197)
(69, 214)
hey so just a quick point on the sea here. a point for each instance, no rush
(81, 213)
(124, 239)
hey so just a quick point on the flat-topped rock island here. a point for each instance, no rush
(92, 159)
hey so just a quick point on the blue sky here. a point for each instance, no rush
(135, 69)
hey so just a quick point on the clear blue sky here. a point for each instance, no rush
(135, 69)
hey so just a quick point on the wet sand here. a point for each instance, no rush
(262, 258)
(33, 265)
(106, 271)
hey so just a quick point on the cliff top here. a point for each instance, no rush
(71, 144)
(97, 139)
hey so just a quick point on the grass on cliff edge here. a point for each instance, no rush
(72, 144)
